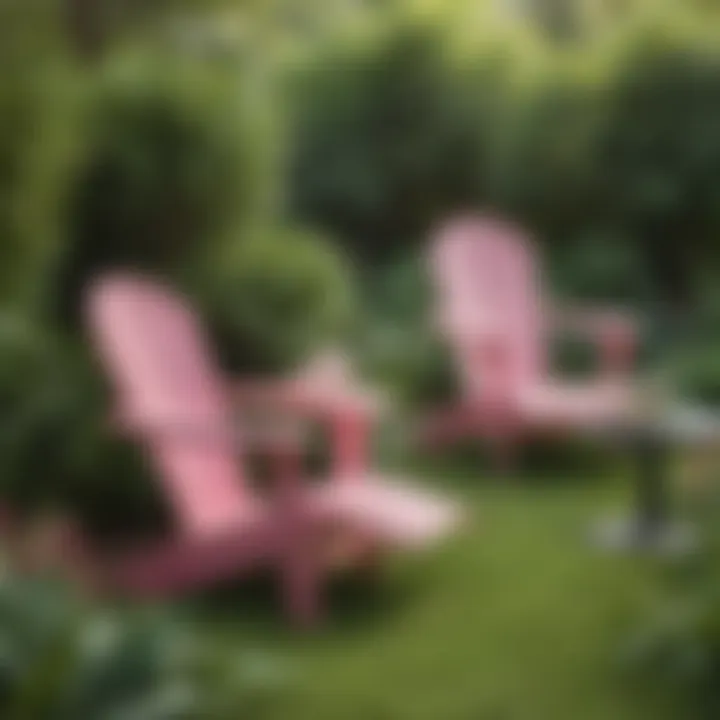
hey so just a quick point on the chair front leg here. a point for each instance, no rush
(350, 444)
(618, 350)
(299, 558)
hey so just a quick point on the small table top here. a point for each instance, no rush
(676, 424)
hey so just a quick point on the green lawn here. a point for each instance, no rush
(517, 618)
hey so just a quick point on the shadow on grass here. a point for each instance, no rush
(469, 466)
(352, 603)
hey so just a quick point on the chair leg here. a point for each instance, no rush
(301, 582)
(298, 558)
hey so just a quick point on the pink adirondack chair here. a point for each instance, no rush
(497, 320)
(172, 399)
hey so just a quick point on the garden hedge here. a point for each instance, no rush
(611, 145)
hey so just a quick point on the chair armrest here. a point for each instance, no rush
(305, 400)
(595, 320)
(615, 332)
(347, 413)
(199, 431)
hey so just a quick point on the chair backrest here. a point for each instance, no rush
(486, 273)
(157, 357)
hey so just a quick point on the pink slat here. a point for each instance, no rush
(488, 283)
(159, 361)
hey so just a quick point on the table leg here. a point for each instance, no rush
(650, 527)
(651, 487)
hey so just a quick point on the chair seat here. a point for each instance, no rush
(565, 404)
(189, 559)
(219, 520)
(390, 509)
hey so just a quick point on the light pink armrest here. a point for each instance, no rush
(615, 332)
(304, 399)
(347, 412)
(196, 430)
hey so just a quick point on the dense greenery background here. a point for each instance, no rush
(286, 169)
(285, 164)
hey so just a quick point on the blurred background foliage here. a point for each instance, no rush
(286, 163)
(172, 159)
(274, 299)
(65, 658)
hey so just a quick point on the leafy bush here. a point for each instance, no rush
(613, 161)
(609, 153)
(56, 447)
(680, 649)
(39, 103)
(600, 268)
(171, 162)
(397, 344)
(676, 642)
(275, 298)
(63, 658)
(696, 371)
(546, 174)
(659, 151)
(389, 137)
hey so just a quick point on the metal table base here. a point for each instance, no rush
(650, 528)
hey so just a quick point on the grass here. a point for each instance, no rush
(516, 618)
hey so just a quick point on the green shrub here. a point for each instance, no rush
(608, 152)
(397, 343)
(389, 137)
(546, 173)
(172, 160)
(57, 449)
(676, 642)
(611, 156)
(39, 103)
(696, 371)
(659, 151)
(273, 299)
(600, 268)
(64, 658)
